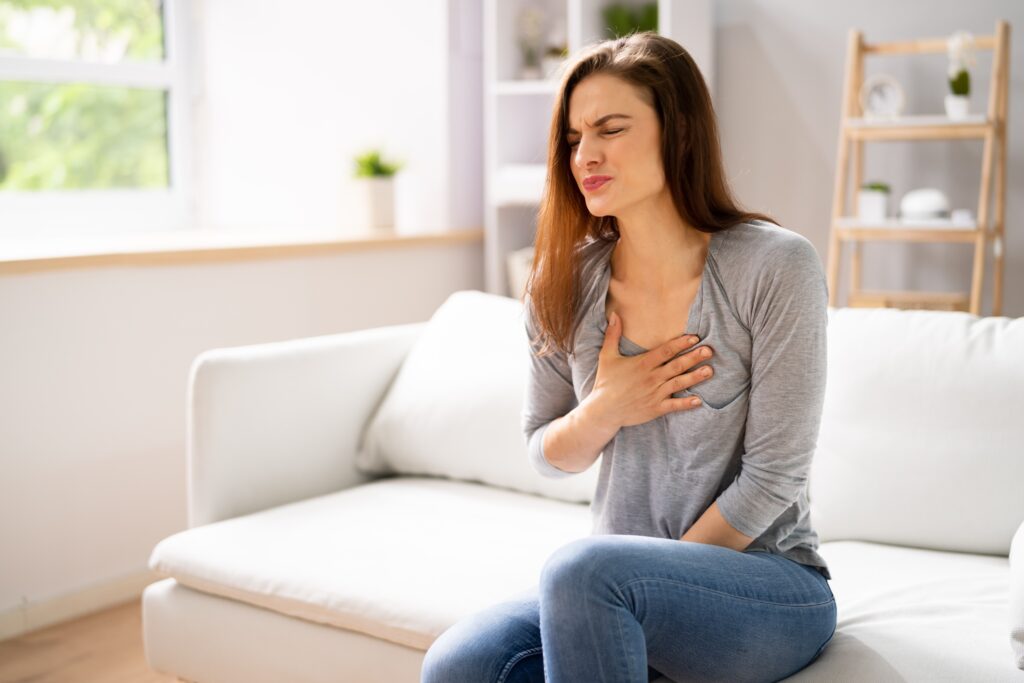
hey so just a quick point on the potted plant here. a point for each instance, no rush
(531, 40)
(621, 19)
(873, 201)
(376, 184)
(554, 58)
(960, 49)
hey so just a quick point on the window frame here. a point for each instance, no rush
(57, 213)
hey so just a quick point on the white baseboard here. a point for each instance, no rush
(35, 615)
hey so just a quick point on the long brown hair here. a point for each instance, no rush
(671, 82)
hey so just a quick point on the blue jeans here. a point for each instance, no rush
(625, 609)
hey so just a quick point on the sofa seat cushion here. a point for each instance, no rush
(906, 614)
(404, 558)
(399, 558)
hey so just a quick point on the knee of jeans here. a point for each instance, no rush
(452, 659)
(571, 562)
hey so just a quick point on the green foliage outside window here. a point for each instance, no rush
(57, 136)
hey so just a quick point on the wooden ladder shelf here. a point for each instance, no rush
(855, 130)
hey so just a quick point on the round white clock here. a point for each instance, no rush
(881, 97)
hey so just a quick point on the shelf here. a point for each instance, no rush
(517, 184)
(18, 256)
(975, 231)
(936, 301)
(851, 228)
(917, 127)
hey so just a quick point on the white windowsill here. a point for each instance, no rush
(19, 255)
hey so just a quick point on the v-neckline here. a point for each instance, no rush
(693, 315)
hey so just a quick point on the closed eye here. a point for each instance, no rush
(607, 132)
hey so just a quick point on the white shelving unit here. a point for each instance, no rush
(517, 113)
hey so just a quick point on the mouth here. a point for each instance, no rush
(596, 182)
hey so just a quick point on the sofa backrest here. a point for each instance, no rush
(921, 441)
(922, 433)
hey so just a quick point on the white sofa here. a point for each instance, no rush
(351, 496)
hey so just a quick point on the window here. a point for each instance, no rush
(93, 117)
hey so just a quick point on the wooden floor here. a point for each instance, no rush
(104, 646)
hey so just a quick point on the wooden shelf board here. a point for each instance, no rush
(946, 301)
(916, 121)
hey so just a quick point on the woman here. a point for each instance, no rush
(685, 341)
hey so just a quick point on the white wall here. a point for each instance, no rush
(290, 92)
(779, 71)
(95, 365)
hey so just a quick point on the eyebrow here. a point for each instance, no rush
(601, 120)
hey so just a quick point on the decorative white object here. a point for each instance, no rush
(963, 216)
(881, 97)
(413, 215)
(926, 202)
(377, 195)
(872, 204)
(957, 106)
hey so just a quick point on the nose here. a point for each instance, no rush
(587, 154)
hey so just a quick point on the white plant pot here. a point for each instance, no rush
(872, 205)
(377, 196)
(957, 106)
(552, 66)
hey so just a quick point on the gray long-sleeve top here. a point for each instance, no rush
(762, 307)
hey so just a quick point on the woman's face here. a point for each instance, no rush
(626, 149)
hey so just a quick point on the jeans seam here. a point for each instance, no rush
(515, 660)
(730, 595)
(618, 622)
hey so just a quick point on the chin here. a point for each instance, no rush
(601, 209)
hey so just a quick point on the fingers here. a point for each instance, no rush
(687, 379)
(670, 405)
(684, 362)
(612, 334)
(672, 347)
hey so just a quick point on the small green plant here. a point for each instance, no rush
(621, 19)
(875, 185)
(960, 49)
(370, 165)
(961, 83)
(557, 51)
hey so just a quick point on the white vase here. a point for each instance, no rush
(872, 205)
(377, 196)
(957, 106)
(552, 66)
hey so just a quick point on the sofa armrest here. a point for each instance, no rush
(274, 423)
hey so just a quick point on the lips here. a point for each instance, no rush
(595, 181)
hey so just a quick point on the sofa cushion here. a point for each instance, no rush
(1017, 597)
(399, 558)
(919, 443)
(907, 614)
(454, 409)
(404, 558)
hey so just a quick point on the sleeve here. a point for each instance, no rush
(788, 372)
(549, 396)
